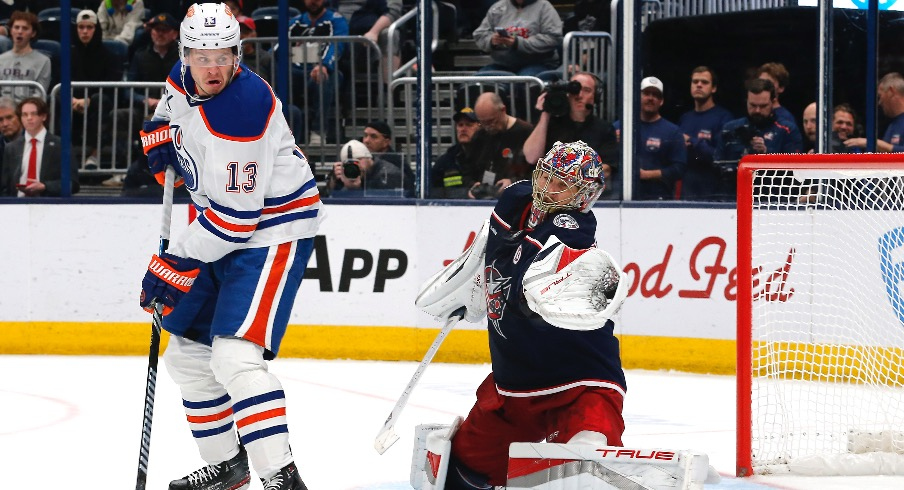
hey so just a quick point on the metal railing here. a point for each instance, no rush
(407, 68)
(449, 95)
(592, 52)
(15, 89)
(105, 135)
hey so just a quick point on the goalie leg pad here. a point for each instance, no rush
(461, 283)
(595, 467)
(432, 450)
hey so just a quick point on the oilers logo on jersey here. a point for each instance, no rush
(497, 290)
(186, 162)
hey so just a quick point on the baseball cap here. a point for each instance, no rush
(86, 15)
(165, 19)
(381, 128)
(465, 112)
(246, 22)
(354, 150)
(651, 82)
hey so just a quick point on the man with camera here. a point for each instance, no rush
(496, 157)
(361, 171)
(567, 115)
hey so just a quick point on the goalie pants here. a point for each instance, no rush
(496, 421)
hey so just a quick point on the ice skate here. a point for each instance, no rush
(286, 479)
(228, 475)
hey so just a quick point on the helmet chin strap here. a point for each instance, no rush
(203, 98)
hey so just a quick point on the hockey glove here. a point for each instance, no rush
(575, 289)
(168, 278)
(158, 146)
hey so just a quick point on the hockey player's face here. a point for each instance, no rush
(554, 189)
(211, 69)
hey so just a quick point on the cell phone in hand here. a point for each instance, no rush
(21, 186)
(501, 31)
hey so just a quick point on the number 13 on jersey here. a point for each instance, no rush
(248, 179)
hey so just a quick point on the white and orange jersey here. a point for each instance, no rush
(251, 184)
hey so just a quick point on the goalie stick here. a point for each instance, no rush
(387, 437)
(156, 326)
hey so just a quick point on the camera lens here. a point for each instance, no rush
(351, 170)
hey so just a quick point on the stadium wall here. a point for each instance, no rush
(73, 276)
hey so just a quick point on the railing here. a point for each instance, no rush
(392, 37)
(450, 94)
(105, 135)
(15, 89)
(592, 52)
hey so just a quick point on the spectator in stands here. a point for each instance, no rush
(589, 15)
(809, 128)
(91, 62)
(660, 154)
(891, 101)
(844, 121)
(371, 19)
(759, 131)
(314, 74)
(521, 36)
(154, 63)
(447, 175)
(32, 164)
(497, 149)
(702, 128)
(120, 18)
(10, 125)
(578, 123)
(259, 60)
(779, 76)
(379, 167)
(23, 63)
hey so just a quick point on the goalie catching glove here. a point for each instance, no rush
(461, 283)
(168, 278)
(158, 146)
(574, 289)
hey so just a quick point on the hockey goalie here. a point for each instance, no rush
(549, 415)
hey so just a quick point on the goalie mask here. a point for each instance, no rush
(206, 29)
(570, 176)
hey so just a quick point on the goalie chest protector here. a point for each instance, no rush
(530, 356)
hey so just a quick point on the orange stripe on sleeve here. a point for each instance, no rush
(225, 224)
(298, 203)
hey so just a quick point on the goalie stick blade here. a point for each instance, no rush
(385, 439)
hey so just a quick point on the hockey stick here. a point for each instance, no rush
(156, 327)
(387, 437)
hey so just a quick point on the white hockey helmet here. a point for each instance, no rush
(209, 26)
(579, 167)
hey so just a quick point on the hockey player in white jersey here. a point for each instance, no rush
(229, 281)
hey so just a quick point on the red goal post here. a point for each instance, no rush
(820, 333)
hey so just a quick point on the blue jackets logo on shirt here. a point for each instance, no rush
(497, 290)
(565, 221)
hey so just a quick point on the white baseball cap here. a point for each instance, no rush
(354, 150)
(651, 82)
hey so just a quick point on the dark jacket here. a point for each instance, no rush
(51, 169)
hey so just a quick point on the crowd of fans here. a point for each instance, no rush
(694, 158)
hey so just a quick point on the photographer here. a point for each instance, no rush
(360, 173)
(759, 132)
(568, 116)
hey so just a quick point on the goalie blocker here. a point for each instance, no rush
(544, 466)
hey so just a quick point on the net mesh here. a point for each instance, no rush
(827, 316)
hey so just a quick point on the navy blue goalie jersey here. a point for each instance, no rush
(530, 356)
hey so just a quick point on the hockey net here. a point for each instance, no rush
(821, 315)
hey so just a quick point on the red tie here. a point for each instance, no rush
(33, 161)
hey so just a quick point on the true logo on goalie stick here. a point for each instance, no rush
(565, 221)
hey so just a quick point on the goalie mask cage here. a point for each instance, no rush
(820, 337)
